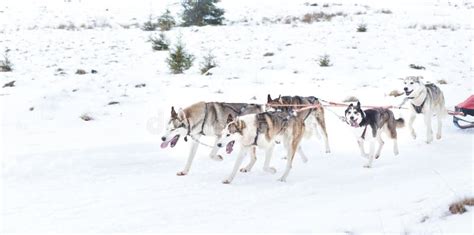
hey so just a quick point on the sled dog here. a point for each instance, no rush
(313, 118)
(368, 126)
(262, 130)
(202, 119)
(426, 99)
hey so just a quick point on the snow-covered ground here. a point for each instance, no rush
(61, 174)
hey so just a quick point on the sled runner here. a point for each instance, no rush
(467, 108)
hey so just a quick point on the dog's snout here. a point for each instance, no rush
(163, 138)
(405, 89)
(219, 145)
(352, 117)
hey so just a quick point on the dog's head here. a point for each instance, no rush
(177, 126)
(272, 104)
(354, 115)
(413, 86)
(232, 132)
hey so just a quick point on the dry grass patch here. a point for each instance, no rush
(459, 207)
(395, 93)
(350, 99)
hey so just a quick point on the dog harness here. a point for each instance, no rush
(419, 108)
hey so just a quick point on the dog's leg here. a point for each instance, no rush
(322, 125)
(371, 154)
(429, 130)
(192, 153)
(238, 162)
(381, 143)
(301, 153)
(268, 157)
(213, 153)
(395, 146)
(360, 141)
(440, 125)
(289, 161)
(410, 124)
(253, 159)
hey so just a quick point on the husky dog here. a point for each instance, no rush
(369, 124)
(426, 99)
(208, 119)
(313, 118)
(262, 130)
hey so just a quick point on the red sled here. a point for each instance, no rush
(467, 108)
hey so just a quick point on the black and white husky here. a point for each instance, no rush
(369, 124)
(426, 99)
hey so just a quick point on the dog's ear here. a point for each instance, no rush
(269, 98)
(229, 118)
(279, 99)
(241, 125)
(358, 105)
(173, 113)
(351, 105)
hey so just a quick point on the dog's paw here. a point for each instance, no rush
(227, 181)
(413, 135)
(368, 165)
(217, 158)
(270, 170)
(438, 136)
(244, 170)
(377, 156)
(328, 151)
(282, 179)
(181, 173)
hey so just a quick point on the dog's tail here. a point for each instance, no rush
(400, 122)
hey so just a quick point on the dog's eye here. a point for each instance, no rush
(228, 135)
(411, 83)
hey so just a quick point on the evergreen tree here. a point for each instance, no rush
(201, 12)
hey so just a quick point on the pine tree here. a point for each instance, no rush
(179, 60)
(201, 12)
(166, 21)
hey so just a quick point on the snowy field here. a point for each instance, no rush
(60, 174)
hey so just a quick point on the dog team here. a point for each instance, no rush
(282, 121)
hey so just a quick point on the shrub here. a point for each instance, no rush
(324, 61)
(362, 28)
(166, 21)
(159, 44)
(201, 12)
(149, 25)
(414, 66)
(179, 60)
(319, 16)
(208, 63)
(6, 64)
(458, 207)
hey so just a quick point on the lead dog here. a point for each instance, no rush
(426, 99)
(262, 130)
(208, 119)
(313, 118)
(369, 124)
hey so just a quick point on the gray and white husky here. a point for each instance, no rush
(314, 118)
(426, 99)
(262, 130)
(369, 125)
(202, 119)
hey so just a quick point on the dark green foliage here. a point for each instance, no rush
(5, 64)
(150, 25)
(201, 12)
(324, 61)
(166, 21)
(179, 60)
(362, 28)
(159, 44)
(208, 63)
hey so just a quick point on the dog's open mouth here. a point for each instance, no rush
(353, 123)
(172, 142)
(407, 93)
(229, 147)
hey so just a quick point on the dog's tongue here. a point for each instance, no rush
(354, 124)
(229, 147)
(165, 144)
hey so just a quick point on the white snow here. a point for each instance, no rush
(61, 174)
